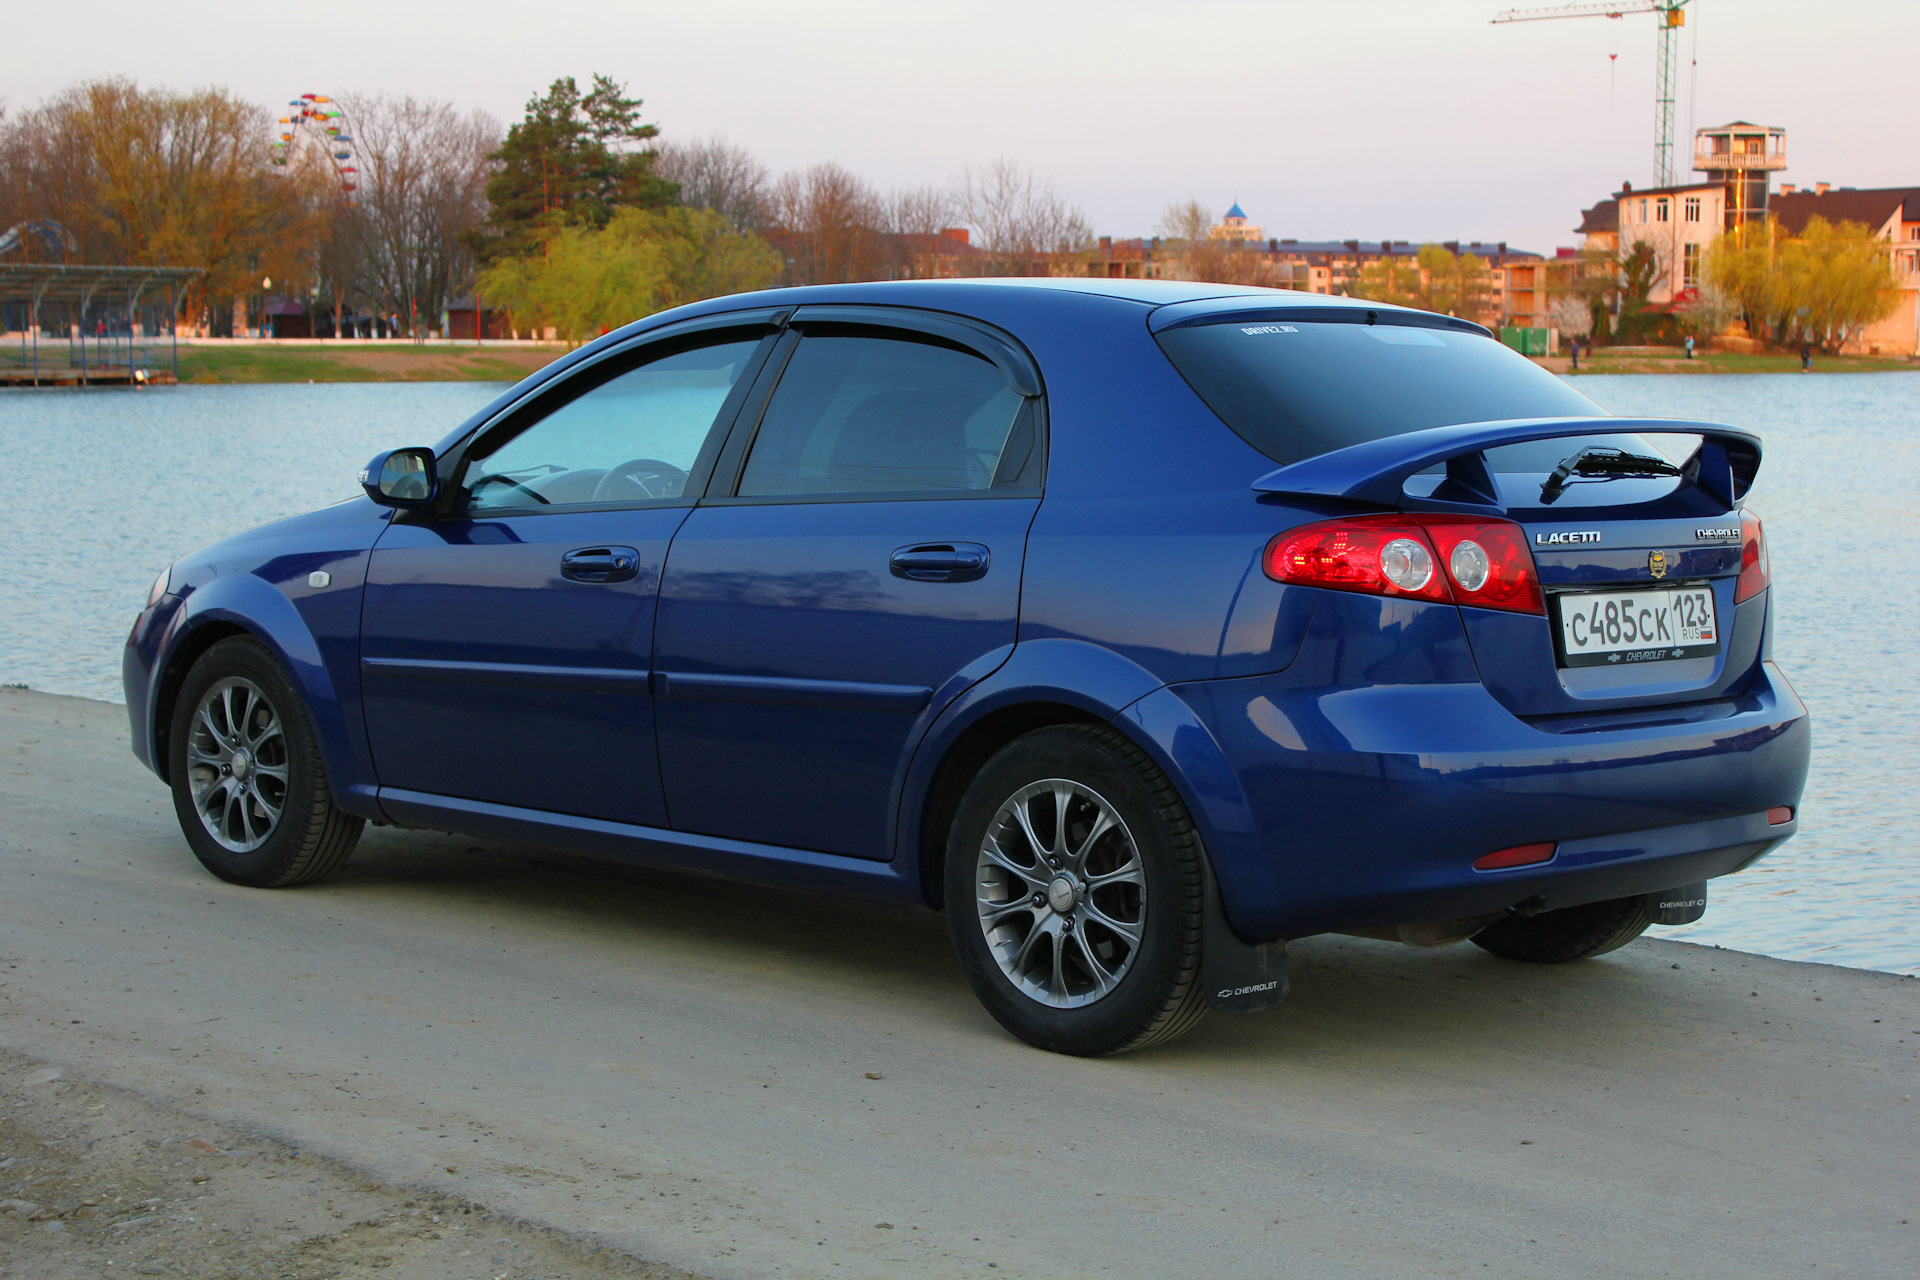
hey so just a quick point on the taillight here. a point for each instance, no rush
(1755, 572)
(1488, 562)
(1428, 557)
(1380, 555)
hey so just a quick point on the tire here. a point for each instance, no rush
(1109, 960)
(254, 745)
(1572, 933)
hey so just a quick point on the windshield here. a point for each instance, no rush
(1303, 388)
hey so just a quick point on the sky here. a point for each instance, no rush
(1370, 119)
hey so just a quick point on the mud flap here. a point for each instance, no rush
(1239, 977)
(1683, 905)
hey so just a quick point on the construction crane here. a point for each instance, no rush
(1671, 15)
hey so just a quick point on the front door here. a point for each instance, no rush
(506, 647)
(863, 569)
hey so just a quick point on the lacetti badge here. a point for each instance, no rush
(1565, 539)
(1657, 564)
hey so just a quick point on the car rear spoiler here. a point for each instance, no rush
(1376, 471)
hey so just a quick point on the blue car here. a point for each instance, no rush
(1138, 626)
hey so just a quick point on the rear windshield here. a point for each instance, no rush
(1298, 389)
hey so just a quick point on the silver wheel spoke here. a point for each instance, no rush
(1063, 793)
(1023, 814)
(992, 913)
(1103, 822)
(1101, 975)
(1129, 873)
(991, 853)
(1121, 928)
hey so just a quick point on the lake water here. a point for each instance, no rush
(110, 486)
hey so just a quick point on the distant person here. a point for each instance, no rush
(1689, 346)
(1806, 357)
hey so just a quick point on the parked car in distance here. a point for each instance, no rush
(1140, 627)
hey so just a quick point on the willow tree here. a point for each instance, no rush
(589, 281)
(1822, 286)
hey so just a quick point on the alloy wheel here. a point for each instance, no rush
(237, 764)
(1061, 893)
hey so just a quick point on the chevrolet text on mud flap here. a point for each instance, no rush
(1565, 539)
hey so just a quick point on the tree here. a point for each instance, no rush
(589, 281)
(1190, 251)
(1021, 222)
(1822, 286)
(918, 218)
(405, 244)
(573, 160)
(829, 225)
(715, 174)
(1708, 312)
(1392, 277)
(153, 177)
(1572, 315)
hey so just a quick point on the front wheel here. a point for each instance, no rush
(249, 787)
(1075, 894)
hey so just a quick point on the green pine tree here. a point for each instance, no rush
(573, 161)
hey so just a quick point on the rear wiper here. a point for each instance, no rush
(1604, 464)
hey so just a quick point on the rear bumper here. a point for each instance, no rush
(1367, 806)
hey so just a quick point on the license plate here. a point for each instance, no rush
(1649, 624)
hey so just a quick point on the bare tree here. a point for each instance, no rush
(423, 178)
(1021, 221)
(718, 175)
(1190, 250)
(918, 217)
(828, 223)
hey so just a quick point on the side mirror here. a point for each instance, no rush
(401, 478)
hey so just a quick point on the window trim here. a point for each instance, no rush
(541, 401)
(999, 349)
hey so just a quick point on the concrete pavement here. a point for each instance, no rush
(679, 1068)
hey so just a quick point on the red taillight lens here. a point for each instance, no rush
(1755, 571)
(1380, 555)
(1487, 562)
(1428, 557)
(1779, 816)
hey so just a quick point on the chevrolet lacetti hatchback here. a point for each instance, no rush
(1138, 627)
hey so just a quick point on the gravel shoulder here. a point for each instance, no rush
(98, 1181)
(626, 1068)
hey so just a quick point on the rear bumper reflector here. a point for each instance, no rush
(1779, 816)
(1521, 855)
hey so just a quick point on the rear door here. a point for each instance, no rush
(506, 644)
(858, 566)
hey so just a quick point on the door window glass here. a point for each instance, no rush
(633, 438)
(882, 415)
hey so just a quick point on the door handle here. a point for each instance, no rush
(940, 562)
(601, 564)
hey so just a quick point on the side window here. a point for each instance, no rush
(856, 414)
(632, 438)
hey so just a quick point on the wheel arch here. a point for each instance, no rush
(243, 605)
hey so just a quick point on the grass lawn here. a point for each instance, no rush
(1603, 361)
(388, 362)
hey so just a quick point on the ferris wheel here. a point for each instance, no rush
(316, 127)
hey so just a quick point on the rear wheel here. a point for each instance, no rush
(1074, 894)
(1571, 933)
(249, 787)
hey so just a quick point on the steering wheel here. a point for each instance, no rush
(511, 483)
(640, 478)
